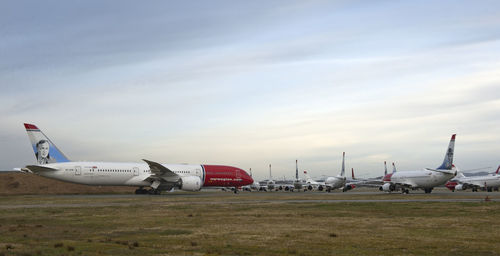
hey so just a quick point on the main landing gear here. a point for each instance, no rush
(142, 191)
(235, 190)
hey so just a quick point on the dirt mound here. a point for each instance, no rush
(26, 184)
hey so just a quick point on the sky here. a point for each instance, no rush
(253, 83)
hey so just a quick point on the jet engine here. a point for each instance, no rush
(387, 187)
(320, 188)
(348, 187)
(190, 183)
(459, 187)
(310, 188)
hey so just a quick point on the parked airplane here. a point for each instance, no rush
(330, 183)
(271, 184)
(254, 186)
(387, 179)
(338, 181)
(425, 179)
(312, 184)
(52, 163)
(462, 182)
(298, 184)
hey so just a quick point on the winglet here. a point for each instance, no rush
(342, 172)
(296, 169)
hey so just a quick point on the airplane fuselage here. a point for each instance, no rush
(137, 174)
(425, 179)
(482, 181)
(335, 182)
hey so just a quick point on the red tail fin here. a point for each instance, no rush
(352, 170)
(498, 169)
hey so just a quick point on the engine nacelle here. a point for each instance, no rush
(310, 188)
(190, 183)
(387, 187)
(459, 187)
(320, 188)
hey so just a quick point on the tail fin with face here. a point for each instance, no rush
(393, 167)
(448, 157)
(385, 167)
(45, 150)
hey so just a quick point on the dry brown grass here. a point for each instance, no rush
(31, 184)
(215, 225)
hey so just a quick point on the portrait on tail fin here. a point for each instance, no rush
(46, 152)
(42, 153)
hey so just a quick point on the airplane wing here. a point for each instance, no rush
(442, 171)
(38, 168)
(368, 183)
(161, 172)
(477, 184)
(407, 184)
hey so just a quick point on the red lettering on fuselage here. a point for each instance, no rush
(225, 176)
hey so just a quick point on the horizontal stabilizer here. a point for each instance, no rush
(38, 168)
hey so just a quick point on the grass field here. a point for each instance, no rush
(245, 224)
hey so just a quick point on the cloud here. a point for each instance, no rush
(254, 83)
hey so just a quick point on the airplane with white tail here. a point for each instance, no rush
(52, 163)
(338, 181)
(331, 183)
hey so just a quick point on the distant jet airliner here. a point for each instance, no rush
(425, 179)
(52, 163)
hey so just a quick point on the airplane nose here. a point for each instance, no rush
(247, 179)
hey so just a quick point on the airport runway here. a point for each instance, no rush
(215, 198)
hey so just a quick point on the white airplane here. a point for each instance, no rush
(52, 163)
(298, 184)
(489, 182)
(338, 181)
(271, 185)
(312, 184)
(254, 186)
(330, 183)
(425, 179)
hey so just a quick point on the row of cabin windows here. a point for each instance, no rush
(117, 170)
(113, 170)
